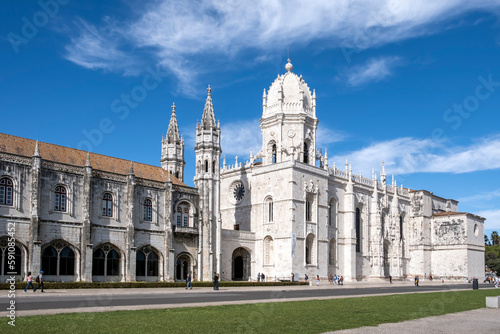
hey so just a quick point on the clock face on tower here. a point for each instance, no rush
(237, 192)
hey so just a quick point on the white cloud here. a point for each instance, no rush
(325, 136)
(373, 71)
(487, 196)
(492, 219)
(239, 137)
(410, 155)
(95, 49)
(179, 34)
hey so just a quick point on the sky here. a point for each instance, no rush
(413, 84)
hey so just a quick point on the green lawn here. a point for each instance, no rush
(313, 316)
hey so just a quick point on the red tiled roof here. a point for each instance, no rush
(71, 156)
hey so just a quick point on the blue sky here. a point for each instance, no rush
(414, 85)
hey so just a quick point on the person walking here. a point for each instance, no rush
(306, 277)
(216, 281)
(335, 279)
(317, 280)
(263, 277)
(390, 279)
(30, 282)
(39, 280)
(188, 281)
(258, 277)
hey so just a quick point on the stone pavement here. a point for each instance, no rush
(484, 320)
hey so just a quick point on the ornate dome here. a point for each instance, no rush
(289, 94)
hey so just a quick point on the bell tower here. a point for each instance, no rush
(172, 149)
(207, 180)
(289, 122)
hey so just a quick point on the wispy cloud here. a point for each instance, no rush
(487, 196)
(410, 155)
(326, 136)
(492, 219)
(375, 70)
(238, 138)
(179, 34)
(94, 49)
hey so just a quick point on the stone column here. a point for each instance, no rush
(130, 249)
(348, 240)
(86, 246)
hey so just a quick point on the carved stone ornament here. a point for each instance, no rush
(311, 187)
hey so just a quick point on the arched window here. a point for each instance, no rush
(358, 230)
(49, 261)
(66, 261)
(179, 216)
(309, 249)
(6, 258)
(308, 210)
(106, 261)
(60, 199)
(332, 253)
(185, 218)
(146, 262)
(383, 225)
(269, 210)
(112, 263)
(274, 154)
(332, 217)
(268, 250)
(206, 166)
(401, 227)
(58, 259)
(98, 262)
(6, 191)
(148, 210)
(213, 167)
(177, 174)
(306, 153)
(107, 205)
(183, 215)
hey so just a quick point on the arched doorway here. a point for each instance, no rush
(241, 265)
(386, 258)
(183, 267)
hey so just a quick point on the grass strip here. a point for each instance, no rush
(313, 316)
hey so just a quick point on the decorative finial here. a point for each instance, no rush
(87, 163)
(131, 170)
(383, 169)
(289, 66)
(37, 150)
(209, 90)
(173, 108)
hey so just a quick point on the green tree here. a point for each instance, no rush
(495, 239)
(486, 240)
(494, 265)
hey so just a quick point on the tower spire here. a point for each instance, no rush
(208, 119)
(172, 149)
(173, 129)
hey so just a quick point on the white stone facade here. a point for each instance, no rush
(87, 217)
